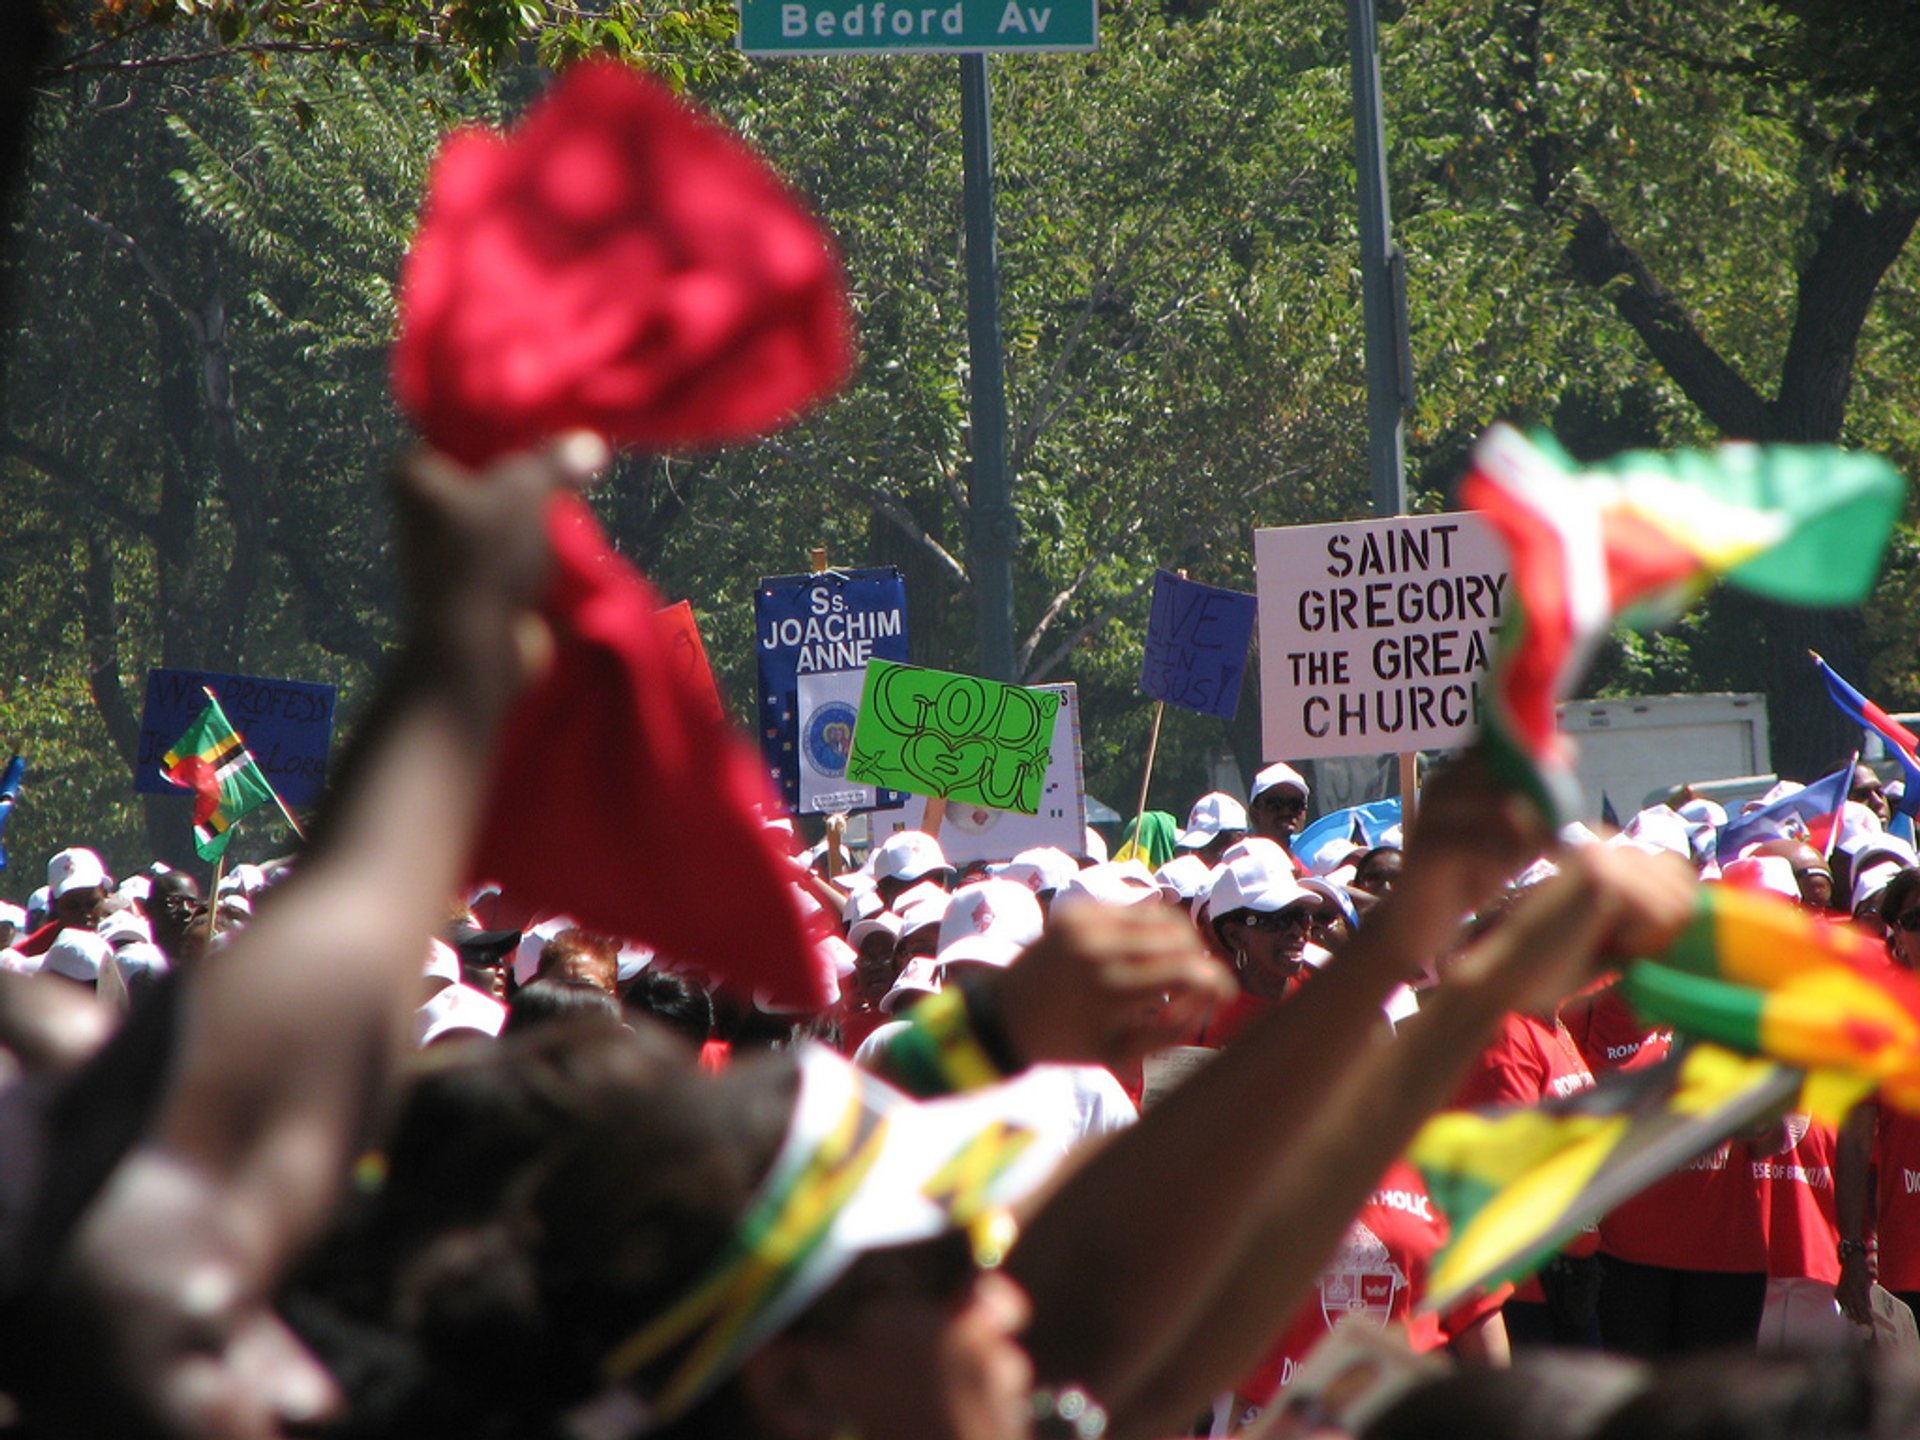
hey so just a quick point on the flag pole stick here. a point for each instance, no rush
(213, 898)
(1146, 778)
(271, 790)
(1833, 830)
(935, 812)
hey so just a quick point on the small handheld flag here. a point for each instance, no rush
(1756, 972)
(212, 761)
(1642, 537)
(1901, 742)
(1516, 1183)
(9, 795)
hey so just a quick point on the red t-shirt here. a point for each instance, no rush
(1609, 1035)
(1797, 1187)
(1896, 1163)
(1707, 1215)
(1527, 1061)
(1380, 1271)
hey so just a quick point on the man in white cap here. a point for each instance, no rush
(77, 883)
(1277, 807)
(1215, 822)
(906, 859)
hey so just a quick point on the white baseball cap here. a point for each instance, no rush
(1335, 853)
(139, 957)
(1659, 828)
(1211, 813)
(1278, 773)
(1118, 882)
(1255, 881)
(1043, 869)
(1763, 872)
(123, 927)
(919, 976)
(885, 923)
(77, 954)
(908, 855)
(74, 869)
(443, 962)
(1872, 880)
(526, 955)
(1182, 878)
(12, 915)
(1096, 847)
(458, 1007)
(989, 922)
(921, 906)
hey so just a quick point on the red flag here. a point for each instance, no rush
(620, 798)
(621, 263)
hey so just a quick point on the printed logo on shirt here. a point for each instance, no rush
(1911, 1178)
(1817, 1177)
(1561, 1086)
(1714, 1159)
(1407, 1202)
(1361, 1280)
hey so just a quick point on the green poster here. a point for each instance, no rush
(957, 736)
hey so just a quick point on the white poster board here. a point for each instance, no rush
(973, 832)
(829, 704)
(1375, 635)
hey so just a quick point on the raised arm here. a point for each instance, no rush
(289, 1038)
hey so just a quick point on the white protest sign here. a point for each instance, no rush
(828, 706)
(973, 832)
(1375, 635)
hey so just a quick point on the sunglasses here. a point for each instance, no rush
(1286, 804)
(1295, 917)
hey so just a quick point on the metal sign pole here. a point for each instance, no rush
(995, 526)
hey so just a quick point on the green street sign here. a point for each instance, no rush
(902, 27)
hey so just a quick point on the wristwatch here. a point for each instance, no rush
(1850, 1248)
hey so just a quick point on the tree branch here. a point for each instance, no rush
(100, 620)
(1600, 257)
(63, 471)
(1837, 286)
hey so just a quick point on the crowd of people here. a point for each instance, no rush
(1086, 1145)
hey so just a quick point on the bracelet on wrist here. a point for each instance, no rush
(1851, 1249)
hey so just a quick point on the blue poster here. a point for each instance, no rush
(817, 625)
(1197, 638)
(287, 724)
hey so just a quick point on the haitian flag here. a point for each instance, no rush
(1807, 814)
(1901, 742)
(1641, 537)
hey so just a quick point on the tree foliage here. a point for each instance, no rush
(1638, 225)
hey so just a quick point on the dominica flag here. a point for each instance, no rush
(212, 761)
(1517, 1182)
(9, 796)
(1901, 742)
(1641, 537)
(1758, 973)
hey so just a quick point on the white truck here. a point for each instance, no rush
(1637, 751)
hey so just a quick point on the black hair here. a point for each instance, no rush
(673, 1000)
(543, 1200)
(1899, 894)
(545, 1001)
